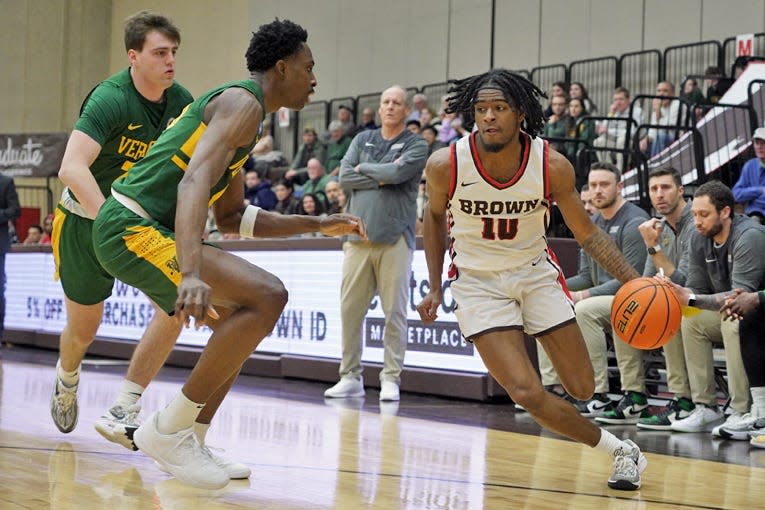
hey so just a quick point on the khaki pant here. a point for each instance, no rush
(593, 324)
(699, 332)
(368, 267)
(632, 372)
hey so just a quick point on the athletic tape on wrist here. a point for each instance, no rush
(247, 225)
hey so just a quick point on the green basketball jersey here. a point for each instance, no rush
(125, 124)
(153, 182)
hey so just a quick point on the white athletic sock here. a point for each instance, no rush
(758, 401)
(608, 442)
(178, 415)
(68, 378)
(129, 393)
(200, 429)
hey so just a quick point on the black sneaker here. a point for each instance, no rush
(632, 407)
(596, 406)
(675, 410)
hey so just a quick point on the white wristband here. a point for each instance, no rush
(247, 225)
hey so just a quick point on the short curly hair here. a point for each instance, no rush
(273, 42)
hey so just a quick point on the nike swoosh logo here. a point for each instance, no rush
(369, 144)
(465, 184)
(131, 127)
(597, 406)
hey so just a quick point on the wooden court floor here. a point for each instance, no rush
(305, 453)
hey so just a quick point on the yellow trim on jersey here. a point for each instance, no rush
(55, 240)
(179, 162)
(191, 143)
(187, 149)
(149, 244)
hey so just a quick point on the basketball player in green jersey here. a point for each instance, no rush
(148, 234)
(119, 120)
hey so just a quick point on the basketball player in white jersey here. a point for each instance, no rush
(491, 193)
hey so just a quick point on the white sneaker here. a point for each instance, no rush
(118, 425)
(730, 420)
(63, 406)
(741, 429)
(181, 455)
(235, 470)
(701, 419)
(346, 387)
(629, 463)
(389, 391)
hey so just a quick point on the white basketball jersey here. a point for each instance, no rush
(497, 226)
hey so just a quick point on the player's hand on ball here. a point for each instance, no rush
(342, 224)
(428, 307)
(193, 301)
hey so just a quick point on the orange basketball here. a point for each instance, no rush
(645, 314)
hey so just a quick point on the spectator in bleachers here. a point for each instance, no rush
(419, 102)
(665, 113)
(430, 134)
(557, 123)
(310, 148)
(332, 191)
(559, 88)
(614, 134)
(584, 132)
(367, 120)
(667, 243)
(337, 147)
(258, 191)
(47, 229)
(586, 197)
(446, 133)
(691, 92)
(578, 91)
(428, 118)
(317, 181)
(312, 205)
(413, 126)
(34, 234)
(620, 219)
(717, 84)
(287, 202)
(345, 119)
(749, 190)
(725, 253)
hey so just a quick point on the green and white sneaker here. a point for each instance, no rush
(675, 410)
(632, 407)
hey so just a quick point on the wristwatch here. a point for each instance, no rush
(654, 249)
(692, 300)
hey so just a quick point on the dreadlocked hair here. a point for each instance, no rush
(518, 91)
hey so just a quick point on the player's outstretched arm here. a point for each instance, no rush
(438, 178)
(593, 240)
(271, 224)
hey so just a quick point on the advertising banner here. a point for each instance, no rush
(32, 154)
(309, 325)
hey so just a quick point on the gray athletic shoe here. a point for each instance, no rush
(118, 425)
(63, 406)
(629, 462)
